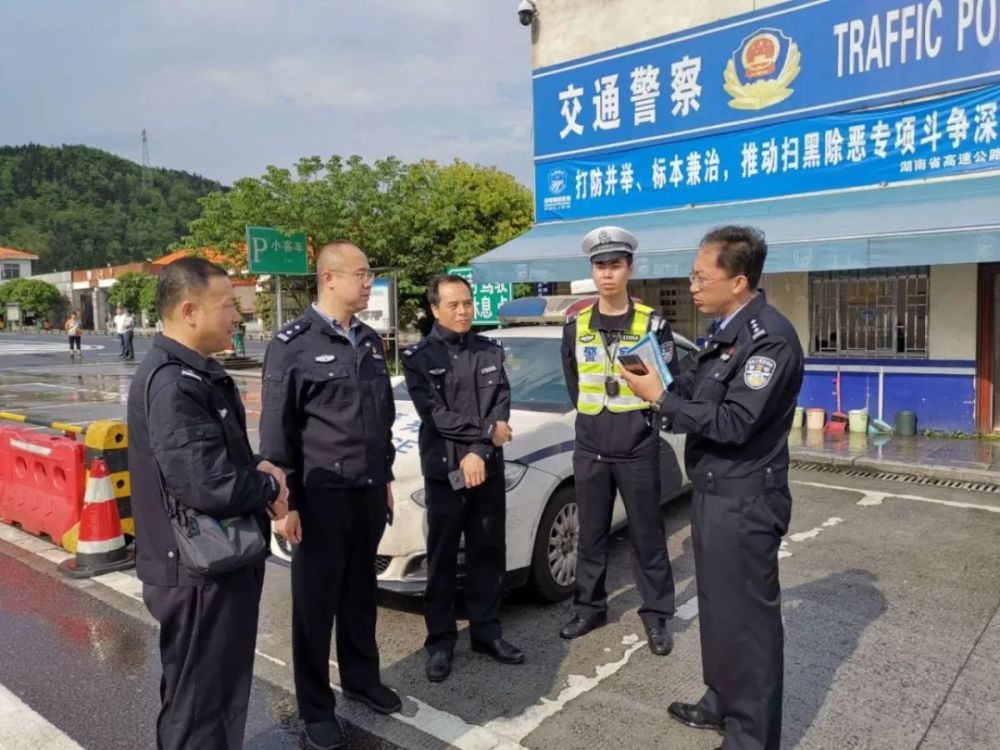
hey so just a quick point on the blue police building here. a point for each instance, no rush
(860, 135)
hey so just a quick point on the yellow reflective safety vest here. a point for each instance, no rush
(595, 363)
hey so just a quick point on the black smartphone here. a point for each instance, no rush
(633, 363)
(457, 479)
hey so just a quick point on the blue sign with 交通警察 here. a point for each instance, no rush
(933, 138)
(796, 60)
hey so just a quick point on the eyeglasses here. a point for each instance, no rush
(359, 275)
(700, 282)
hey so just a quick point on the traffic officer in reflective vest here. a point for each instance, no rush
(617, 443)
(736, 408)
(326, 418)
(457, 383)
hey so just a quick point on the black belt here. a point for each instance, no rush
(752, 484)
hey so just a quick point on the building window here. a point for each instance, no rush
(870, 313)
(11, 271)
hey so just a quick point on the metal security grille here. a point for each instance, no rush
(874, 312)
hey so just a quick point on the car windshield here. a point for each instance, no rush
(534, 368)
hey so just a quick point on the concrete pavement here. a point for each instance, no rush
(890, 602)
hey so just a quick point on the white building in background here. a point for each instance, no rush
(15, 264)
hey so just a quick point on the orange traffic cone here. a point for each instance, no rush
(101, 544)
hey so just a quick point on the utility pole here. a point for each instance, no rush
(147, 170)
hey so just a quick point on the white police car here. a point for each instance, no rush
(542, 524)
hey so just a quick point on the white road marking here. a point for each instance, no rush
(453, 730)
(783, 550)
(273, 659)
(22, 728)
(518, 727)
(876, 498)
(41, 347)
(688, 610)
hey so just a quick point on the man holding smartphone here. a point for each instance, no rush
(457, 383)
(617, 443)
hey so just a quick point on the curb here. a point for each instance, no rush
(924, 471)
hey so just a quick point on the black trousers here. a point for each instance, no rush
(127, 351)
(207, 639)
(480, 514)
(736, 543)
(333, 575)
(596, 483)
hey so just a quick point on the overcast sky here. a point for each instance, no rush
(226, 87)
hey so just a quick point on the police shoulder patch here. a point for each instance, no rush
(293, 329)
(415, 348)
(487, 340)
(757, 331)
(758, 371)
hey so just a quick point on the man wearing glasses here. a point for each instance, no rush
(736, 408)
(326, 419)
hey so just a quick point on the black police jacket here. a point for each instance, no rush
(736, 406)
(459, 388)
(625, 436)
(327, 408)
(197, 435)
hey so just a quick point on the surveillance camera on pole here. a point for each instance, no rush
(527, 11)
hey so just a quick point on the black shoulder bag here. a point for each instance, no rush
(206, 545)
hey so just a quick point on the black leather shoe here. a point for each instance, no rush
(580, 625)
(438, 666)
(692, 715)
(325, 735)
(377, 698)
(661, 641)
(499, 650)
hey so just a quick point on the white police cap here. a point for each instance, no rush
(609, 243)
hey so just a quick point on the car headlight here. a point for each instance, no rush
(420, 497)
(513, 473)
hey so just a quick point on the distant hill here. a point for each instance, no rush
(79, 207)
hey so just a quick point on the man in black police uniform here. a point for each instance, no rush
(326, 418)
(617, 443)
(196, 435)
(736, 409)
(457, 383)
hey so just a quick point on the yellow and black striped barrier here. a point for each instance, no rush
(105, 439)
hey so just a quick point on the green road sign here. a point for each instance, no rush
(271, 251)
(486, 298)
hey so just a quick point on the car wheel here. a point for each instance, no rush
(553, 560)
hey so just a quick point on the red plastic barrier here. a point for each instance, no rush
(42, 479)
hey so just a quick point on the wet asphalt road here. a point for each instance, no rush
(891, 606)
(93, 671)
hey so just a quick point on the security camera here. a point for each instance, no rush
(526, 12)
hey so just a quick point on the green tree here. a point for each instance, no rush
(419, 218)
(78, 207)
(34, 296)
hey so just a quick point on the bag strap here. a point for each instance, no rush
(173, 510)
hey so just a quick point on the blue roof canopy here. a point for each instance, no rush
(930, 223)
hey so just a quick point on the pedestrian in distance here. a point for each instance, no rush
(72, 328)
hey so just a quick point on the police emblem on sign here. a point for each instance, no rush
(758, 371)
(762, 68)
(557, 181)
(590, 354)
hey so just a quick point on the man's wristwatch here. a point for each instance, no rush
(658, 404)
